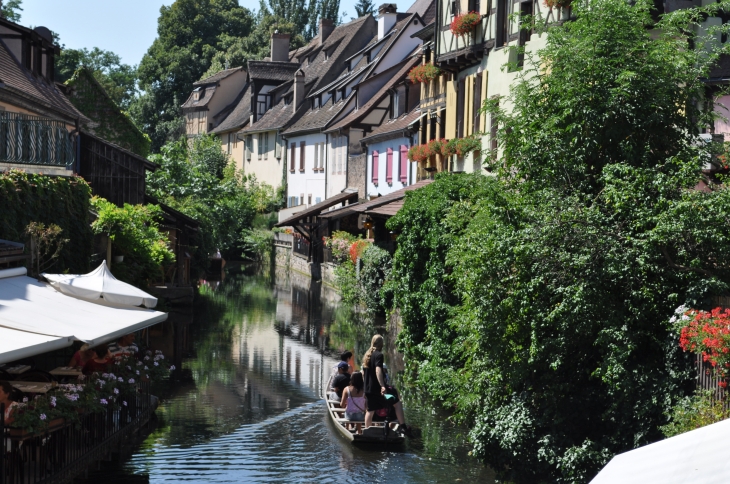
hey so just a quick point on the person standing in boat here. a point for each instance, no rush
(376, 385)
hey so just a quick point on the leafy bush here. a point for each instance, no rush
(693, 412)
(64, 201)
(339, 243)
(135, 234)
(376, 296)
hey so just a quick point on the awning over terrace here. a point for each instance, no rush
(305, 222)
(35, 318)
(696, 456)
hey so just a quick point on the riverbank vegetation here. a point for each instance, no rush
(199, 180)
(536, 303)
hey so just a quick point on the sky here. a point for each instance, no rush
(125, 27)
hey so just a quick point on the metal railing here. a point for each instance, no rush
(65, 450)
(301, 246)
(34, 140)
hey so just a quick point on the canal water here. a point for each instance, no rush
(245, 406)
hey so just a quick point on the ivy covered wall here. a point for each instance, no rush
(64, 201)
(109, 122)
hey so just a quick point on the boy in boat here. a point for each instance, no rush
(341, 381)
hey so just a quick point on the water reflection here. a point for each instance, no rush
(247, 406)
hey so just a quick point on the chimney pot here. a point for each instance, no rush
(387, 15)
(326, 26)
(298, 90)
(280, 47)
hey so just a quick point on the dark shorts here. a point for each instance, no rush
(376, 401)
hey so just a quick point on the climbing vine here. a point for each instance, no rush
(63, 201)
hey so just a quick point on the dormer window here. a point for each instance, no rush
(196, 94)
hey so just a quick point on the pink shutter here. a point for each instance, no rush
(403, 164)
(389, 167)
(375, 167)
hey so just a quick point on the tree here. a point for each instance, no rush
(118, 79)
(11, 10)
(537, 303)
(364, 7)
(190, 33)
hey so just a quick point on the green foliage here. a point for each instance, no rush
(119, 80)
(339, 243)
(377, 297)
(135, 234)
(10, 9)
(190, 34)
(110, 123)
(223, 201)
(63, 201)
(364, 7)
(46, 244)
(536, 304)
(346, 281)
(693, 412)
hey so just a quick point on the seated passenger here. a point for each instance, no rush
(79, 359)
(124, 346)
(100, 361)
(340, 382)
(7, 393)
(345, 356)
(353, 401)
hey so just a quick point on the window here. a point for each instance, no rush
(249, 147)
(394, 104)
(266, 146)
(321, 157)
(277, 146)
(292, 156)
(339, 154)
(502, 22)
(403, 164)
(302, 146)
(333, 153)
(454, 8)
(461, 87)
(260, 144)
(493, 134)
(309, 199)
(228, 147)
(375, 168)
(316, 157)
(389, 167)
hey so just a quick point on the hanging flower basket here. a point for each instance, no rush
(463, 24)
(558, 3)
(424, 73)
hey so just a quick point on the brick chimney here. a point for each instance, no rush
(280, 47)
(326, 27)
(386, 18)
(298, 90)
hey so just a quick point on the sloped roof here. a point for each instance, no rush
(426, 9)
(240, 115)
(272, 71)
(391, 197)
(22, 82)
(314, 210)
(205, 98)
(364, 110)
(217, 76)
(316, 119)
(394, 125)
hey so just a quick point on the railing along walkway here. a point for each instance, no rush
(65, 450)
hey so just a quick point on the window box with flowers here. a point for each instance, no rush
(465, 23)
(558, 3)
(424, 73)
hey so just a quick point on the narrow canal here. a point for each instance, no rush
(246, 407)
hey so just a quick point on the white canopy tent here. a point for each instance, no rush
(35, 318)
(696, 456)
(101, 283)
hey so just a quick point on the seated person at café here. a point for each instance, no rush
(340, 382)
(79, 359)
(100, 361)
(124, 346)
(7, 393)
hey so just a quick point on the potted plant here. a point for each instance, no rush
(558, 3)
(424, 73)
(465, 23)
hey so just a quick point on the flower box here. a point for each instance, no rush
(465, 23)
(424, 73)
(558, 3)
(23, 434)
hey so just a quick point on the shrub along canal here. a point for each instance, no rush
(246, 407)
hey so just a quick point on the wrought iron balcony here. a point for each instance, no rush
(34, 140)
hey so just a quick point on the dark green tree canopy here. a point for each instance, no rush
(10, 9)
(364, 7)
(189, 34)
(537, 302)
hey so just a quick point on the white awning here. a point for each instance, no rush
(101, 283)
(41, 319)
(696, 456)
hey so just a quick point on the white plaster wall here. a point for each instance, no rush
(307, 182)
(268, 169)
(336, 166)
(384, 188)
(226, 92)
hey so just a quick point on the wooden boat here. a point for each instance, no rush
(377, 434)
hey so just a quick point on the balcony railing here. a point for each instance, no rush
(434, 92)
(34, 140)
